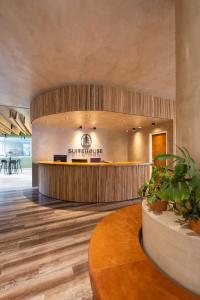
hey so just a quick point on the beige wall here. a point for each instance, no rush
(117, 146)
(138, 142)
(50, 140)
(188, 75)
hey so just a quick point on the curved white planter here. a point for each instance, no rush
(173, 247)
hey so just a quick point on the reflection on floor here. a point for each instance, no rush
(44, 246)
(16, 181)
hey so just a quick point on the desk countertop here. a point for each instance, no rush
(101, 164)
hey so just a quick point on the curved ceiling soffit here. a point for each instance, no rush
(96, 97)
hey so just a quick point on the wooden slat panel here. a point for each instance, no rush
(92, 183)
(90, 97)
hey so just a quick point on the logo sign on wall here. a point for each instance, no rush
(86, 142)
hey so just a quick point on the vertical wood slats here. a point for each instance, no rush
(92, 183)
(90, 97)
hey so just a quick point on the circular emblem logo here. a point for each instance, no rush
(86, 141)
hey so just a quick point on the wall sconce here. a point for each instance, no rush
(153, 124)
(139, 127)
(81, 127)
(94, 128)
(133, 129)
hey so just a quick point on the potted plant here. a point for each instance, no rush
(191, 214)
(151, 190)
(183, 186)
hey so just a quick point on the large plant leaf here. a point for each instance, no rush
(195, 182)
(166, 156)
(180, 170)
(195, 185)
(197, 195)
(192, 168)
(152, 199)
(178, 192)
(181, 191)
(164, 194)
(184, 192)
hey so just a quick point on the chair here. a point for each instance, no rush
(79, 160)
(14, 166)
(95, 159)
(19, 166)
(4, 165)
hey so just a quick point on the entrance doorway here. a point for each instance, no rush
(158, 146)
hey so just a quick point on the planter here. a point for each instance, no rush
(159, 206)
(172, 247)
(195, 225)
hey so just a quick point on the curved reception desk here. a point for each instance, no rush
(92, 182)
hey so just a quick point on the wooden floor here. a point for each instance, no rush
(44, 246)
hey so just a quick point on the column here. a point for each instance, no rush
(188, 75)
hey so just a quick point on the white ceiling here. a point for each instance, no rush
(100, 120)
(47, 43)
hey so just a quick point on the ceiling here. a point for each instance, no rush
(48, 43)
(100, 120)
(14, 122)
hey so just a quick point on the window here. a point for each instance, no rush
(27, 149)
(1, 148)
(15, 146)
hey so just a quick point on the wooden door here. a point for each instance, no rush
(159, 147)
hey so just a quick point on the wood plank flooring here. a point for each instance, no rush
(44, 246)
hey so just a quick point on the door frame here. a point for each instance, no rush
(150, 143)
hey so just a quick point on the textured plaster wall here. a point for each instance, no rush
(138, 143)
(50, 140)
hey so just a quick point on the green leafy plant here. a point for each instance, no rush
(182, 186)
(151, 189)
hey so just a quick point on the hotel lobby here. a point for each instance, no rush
(99, 151)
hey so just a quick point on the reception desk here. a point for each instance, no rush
(92, 182)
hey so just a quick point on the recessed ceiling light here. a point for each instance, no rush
(139, 127)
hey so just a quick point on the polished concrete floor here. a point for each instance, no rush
(16, 181)
(44, 246)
